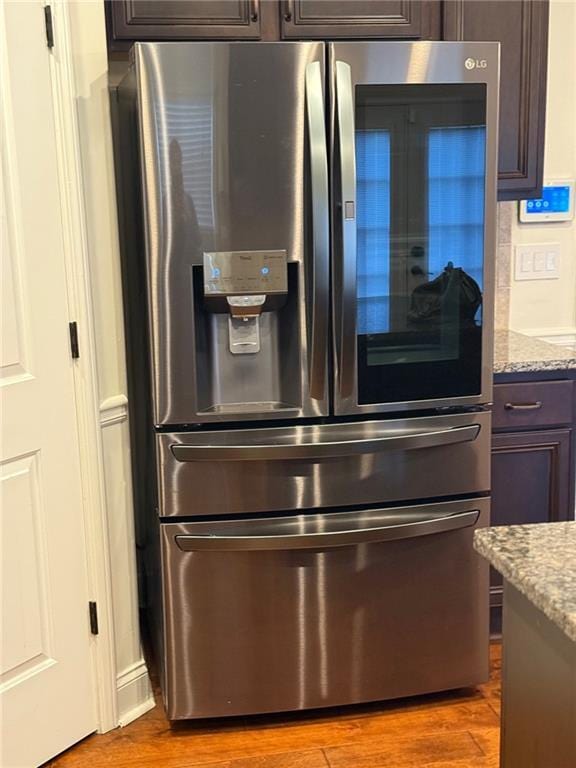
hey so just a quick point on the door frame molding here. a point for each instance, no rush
(87, 403)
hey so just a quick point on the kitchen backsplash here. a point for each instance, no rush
(503, 264)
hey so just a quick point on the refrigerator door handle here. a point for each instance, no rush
(320, 229)
(325, 450)
(327, 539)
(346, 289)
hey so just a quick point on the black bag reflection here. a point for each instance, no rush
(452, 293)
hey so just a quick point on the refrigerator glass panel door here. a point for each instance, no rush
(414, 185)
(420, 171)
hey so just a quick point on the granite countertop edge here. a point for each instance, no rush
(518, 353)
(533, 575)
(535, 366)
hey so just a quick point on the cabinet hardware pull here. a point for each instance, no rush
(254, 9)
(288, 13)
(523, 406)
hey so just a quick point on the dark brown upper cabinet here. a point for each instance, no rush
(130, 20)
(521, 26)
(331, 19)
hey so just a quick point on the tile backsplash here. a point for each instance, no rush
(503, 264)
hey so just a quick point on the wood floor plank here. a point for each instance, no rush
(489, 742)
(152, 742)
(405, 752)
(475, 762)
(492, 690)
(431, 718)
(307, 759)
(313, 759)
(204, 748)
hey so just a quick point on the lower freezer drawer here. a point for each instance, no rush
(321, 610)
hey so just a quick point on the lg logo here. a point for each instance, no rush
(475, 63)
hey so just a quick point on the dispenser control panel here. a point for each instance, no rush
(242, 273)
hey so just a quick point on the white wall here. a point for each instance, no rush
(548, 307)
(91, 73)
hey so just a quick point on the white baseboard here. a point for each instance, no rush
(134, 691)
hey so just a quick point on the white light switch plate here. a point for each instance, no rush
(538, 261)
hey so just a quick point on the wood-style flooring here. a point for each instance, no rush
(455, 730)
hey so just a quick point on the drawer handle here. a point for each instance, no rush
(337, 538)
(325, 450)
(523, 406)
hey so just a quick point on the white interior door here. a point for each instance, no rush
(46, 693)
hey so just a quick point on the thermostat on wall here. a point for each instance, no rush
(556, 204)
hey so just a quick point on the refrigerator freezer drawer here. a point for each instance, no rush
(335, 465)
(378, 604)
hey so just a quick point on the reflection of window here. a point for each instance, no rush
(191, 126)
(373, 229)
(456, 199)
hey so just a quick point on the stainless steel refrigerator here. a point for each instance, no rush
(308, 247)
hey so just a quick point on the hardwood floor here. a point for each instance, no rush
(455, 730)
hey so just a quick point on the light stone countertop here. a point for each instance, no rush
(516, 353)
(540, 561)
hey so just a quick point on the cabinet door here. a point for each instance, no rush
(521, 26)
(130, 20)
(532, 479)
(329, 19)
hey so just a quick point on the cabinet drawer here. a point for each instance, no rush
(545, 403)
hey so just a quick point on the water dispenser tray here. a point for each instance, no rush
(242, 408)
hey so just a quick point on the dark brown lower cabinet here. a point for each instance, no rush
(532, 482)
